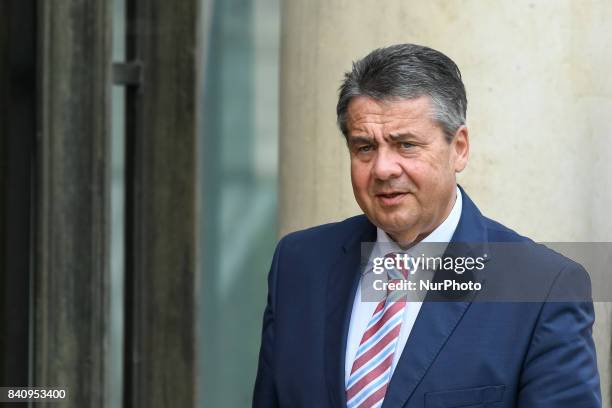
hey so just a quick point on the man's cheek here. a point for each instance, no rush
(359, 178)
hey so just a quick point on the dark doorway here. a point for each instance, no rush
(17, 150)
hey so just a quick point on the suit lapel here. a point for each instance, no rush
(437, 319)
(342, 284)
(435, 323)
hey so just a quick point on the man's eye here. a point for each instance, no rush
(406, 145)
(364, 149)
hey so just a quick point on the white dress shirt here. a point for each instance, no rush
(362, 311)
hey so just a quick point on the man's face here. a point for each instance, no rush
(402, 167)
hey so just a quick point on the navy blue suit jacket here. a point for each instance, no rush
(459, 354)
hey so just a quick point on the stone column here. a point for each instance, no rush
(70, 261)
(539, 97)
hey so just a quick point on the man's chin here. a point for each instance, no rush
(399, 230)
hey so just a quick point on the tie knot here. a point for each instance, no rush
(397, 272)
(399, 269)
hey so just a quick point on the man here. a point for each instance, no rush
(325, 343)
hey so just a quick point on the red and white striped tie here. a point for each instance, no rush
(371, 370)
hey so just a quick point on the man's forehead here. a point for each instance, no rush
(363, 111)
(364, 105)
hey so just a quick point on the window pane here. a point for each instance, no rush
(238, 157)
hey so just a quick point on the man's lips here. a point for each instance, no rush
(390, 193)
(391, 197)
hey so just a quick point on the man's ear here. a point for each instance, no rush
(461, 148)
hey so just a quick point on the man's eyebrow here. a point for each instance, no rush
(360, 139)
(402, 136)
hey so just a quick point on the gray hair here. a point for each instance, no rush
(407, 71)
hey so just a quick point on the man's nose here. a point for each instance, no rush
(386, 165)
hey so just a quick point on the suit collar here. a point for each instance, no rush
(364, 231)
(471, 229)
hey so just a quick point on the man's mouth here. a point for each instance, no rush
(391, 198)
(391, 194)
